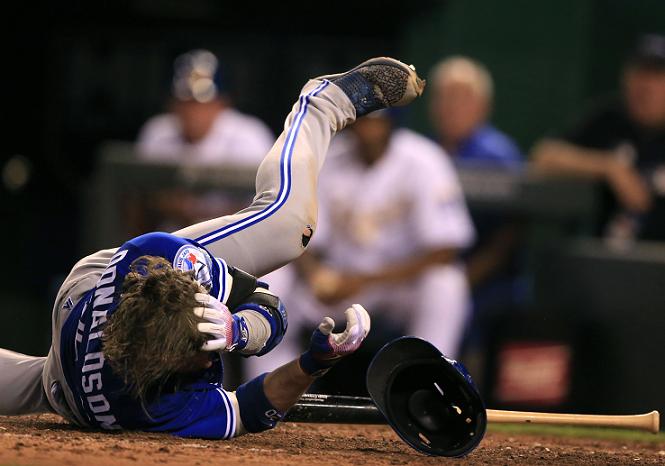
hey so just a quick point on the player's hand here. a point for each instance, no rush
(330, 286)
(223, 330)
(326, 348)
(629, 187)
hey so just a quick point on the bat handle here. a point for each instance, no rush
(648, 421)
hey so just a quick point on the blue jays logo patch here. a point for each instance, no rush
(190, 258)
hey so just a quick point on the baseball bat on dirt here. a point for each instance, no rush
(337, 409)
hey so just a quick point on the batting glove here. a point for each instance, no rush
(326, 348)
(225, 331)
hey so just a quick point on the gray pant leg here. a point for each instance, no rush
(269, 233)
(21, 389)
(26, 381)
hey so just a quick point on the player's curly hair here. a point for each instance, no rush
(152, 336)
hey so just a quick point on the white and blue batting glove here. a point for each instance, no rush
(326, 348)
(225, 331)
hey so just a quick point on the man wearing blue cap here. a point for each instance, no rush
(202, 126)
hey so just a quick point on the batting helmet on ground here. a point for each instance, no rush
(428, 399)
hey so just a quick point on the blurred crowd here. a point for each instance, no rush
(395, 232)
(621, 142)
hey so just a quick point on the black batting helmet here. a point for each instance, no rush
(428, 399)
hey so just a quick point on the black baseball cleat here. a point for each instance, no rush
(379, 83)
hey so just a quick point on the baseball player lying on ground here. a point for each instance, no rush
(137, 331)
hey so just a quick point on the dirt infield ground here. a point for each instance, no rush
(46, 440)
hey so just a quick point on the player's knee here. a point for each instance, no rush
(297, 237)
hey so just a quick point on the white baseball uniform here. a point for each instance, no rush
(405, 204)
(234, 139)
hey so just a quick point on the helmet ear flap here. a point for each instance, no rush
(429, 400)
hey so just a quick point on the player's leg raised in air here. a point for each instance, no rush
(276, 227)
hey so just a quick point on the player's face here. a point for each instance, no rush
(644, 91)
(372, 134)
(457, 110)
(196, 118)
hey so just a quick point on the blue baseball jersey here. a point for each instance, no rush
(489, 147)
(200, 407)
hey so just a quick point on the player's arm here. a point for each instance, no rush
(559, 156)
(332, 285)
(256, 315)
(260, 403)
(582, 149)
(263, 401)
(555, 156)
(414, 266)
(254, 327)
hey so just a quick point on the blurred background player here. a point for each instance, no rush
(622, 143)
(202, 127)
(460, 104)
(392, 224)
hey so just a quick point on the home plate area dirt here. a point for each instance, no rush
(47, 440)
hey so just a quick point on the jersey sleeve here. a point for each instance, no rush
(208, 411)
(211, 272)
(504, 152)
